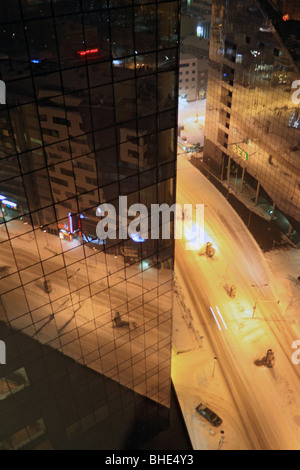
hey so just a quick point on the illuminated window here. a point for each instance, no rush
(24, 436)
(13, 382)
(200, 31)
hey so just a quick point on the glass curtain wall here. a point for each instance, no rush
(253, 121)
(90, 115)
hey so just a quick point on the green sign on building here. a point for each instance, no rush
(241, 153)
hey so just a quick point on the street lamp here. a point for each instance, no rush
(78, 290)
(45, 232)
(296, 284)
(96, 258)
(258, 286)
(262, 301)
(215, 362)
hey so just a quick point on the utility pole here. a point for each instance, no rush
(297, 283)
(259, 287)
(214, 369)
(257, 194)
(242, 181)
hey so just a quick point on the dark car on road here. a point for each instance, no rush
(209, 415)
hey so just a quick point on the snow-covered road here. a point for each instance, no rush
(267, 401)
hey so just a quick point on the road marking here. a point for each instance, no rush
(221, 318)
(215, 319)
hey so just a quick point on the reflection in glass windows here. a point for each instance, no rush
(13, 382)
(91, 113)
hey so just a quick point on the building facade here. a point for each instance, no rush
(198, 48)
(50, 401)
(90, 115)
(252, 122)
(188, 77)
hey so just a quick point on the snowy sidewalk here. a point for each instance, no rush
(285, 266)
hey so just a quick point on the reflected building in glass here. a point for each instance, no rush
(253, 121)
(91, 114)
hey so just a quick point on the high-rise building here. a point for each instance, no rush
(49, 401)
(188, 77)
(253, 120)
(90, 115)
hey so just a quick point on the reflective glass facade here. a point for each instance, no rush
(49, 401)
(252, 123)
(90, 114)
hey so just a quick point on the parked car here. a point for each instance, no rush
(209, 415)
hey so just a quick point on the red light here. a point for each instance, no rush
(286, 17)
(90, 51)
